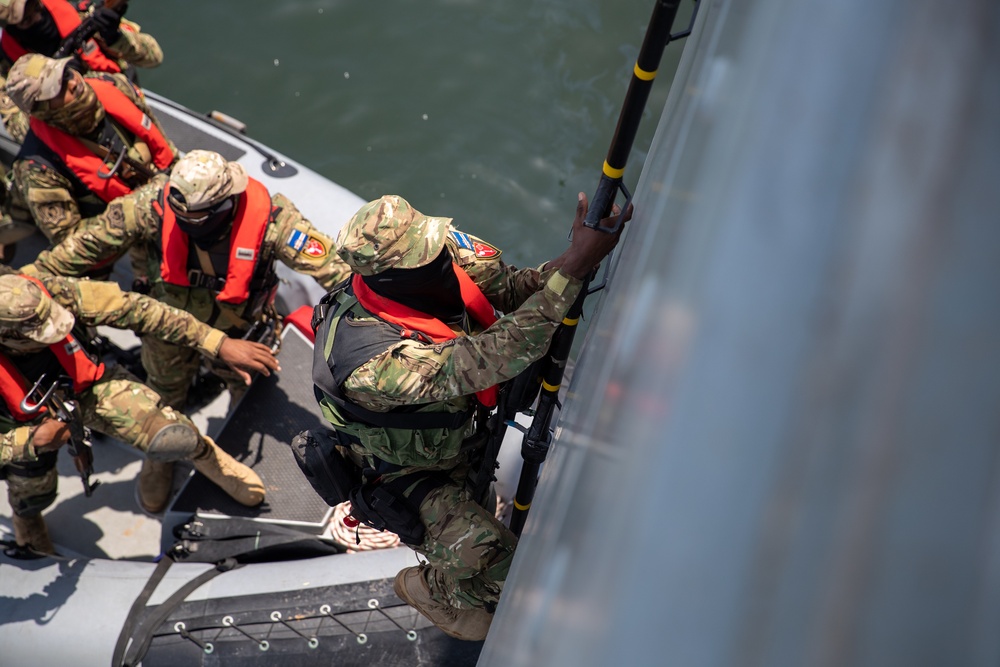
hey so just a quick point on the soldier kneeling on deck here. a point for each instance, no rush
(40, 320)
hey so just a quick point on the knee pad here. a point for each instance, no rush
(173, 441)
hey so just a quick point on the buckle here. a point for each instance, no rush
(198, 278)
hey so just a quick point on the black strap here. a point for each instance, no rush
(229, 544)
(137, 607)
(246, 541)
(45, 462)
(143, 635)
(198, 278)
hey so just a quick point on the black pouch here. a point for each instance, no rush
(383, 506)
(331, 474)
(377, 507)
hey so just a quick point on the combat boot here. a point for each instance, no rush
(241, 483)
(468, 624)
(156, 481)
(31, 532)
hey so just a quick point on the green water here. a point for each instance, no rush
(493, 113)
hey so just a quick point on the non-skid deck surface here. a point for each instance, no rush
(273, 411)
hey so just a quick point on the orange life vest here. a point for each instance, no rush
(72, 357)
(476, 304)
(66, 19)
(84, 163)
(253, 212)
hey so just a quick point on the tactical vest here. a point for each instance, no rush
(66, 19)
(250, 277)
(68, 356)
(346, 337)
(84, 164)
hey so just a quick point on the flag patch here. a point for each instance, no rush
(296, 240)
(463, 240)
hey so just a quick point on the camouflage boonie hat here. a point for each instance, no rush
(35, 78)
(27, 311)
(388, 233)
(12, 11)
(205, 178)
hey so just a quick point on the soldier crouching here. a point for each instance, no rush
(38, 318)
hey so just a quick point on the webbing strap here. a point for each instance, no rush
(143, 635)
(137, 607)
(229, 544)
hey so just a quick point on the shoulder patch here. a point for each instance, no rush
(296, 240)
(314, 247)
(485, 250)
(463, 240)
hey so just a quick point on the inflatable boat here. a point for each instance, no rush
(213, 582)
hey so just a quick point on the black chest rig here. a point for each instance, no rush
(358, 337)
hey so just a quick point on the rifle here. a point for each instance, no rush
(514, 396)
(538, 436)
(132, 171)
(88, 27)
(68, 412)
(265, 330)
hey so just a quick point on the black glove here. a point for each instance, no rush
(107, 21)
(141, 285)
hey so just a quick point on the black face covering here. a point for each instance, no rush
(206, 233)
(42, 37)
(432, 289)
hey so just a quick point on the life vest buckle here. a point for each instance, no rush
(198, 278)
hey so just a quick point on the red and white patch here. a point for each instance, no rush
(314, 248)
(485, 250)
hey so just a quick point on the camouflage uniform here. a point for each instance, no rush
(116, 404)
(136, 218)
(468, 549)
(56, 199)
(132, 47)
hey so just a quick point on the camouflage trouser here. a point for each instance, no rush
(119, 406)
(469, 551)
(171, 369)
